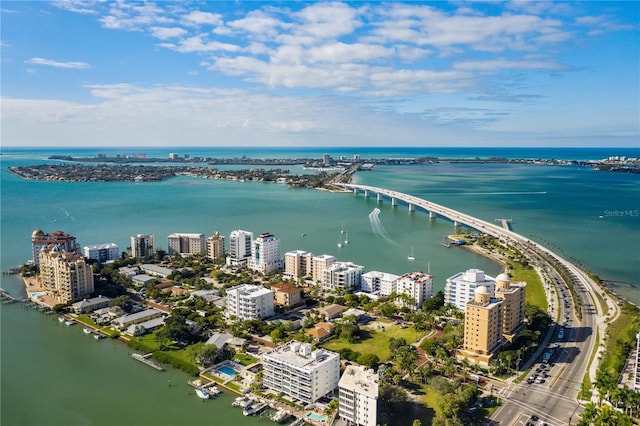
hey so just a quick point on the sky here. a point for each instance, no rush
(78, 73)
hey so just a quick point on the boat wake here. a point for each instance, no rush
(377, 228)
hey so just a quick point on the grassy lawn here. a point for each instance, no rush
(244, 359)
(535, 291)
(431, 399)
(376, 340)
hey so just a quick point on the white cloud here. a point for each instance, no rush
(57, 64)
(78, 6)
(164, 33)
(202, 18)
(506, 64)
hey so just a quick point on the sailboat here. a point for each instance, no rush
(411, 257)
(346, 238)
(340, 240)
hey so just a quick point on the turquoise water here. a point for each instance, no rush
(317, 417)
(91, 382)
(227, 370)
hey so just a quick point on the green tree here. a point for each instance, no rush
(202, 353)
(368, 359)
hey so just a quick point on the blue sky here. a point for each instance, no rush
(519, 73)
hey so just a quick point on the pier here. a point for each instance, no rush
(145, 359)
(506, 223)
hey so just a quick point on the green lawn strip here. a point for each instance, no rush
(535, 294)
(376, 341)
(431, 399)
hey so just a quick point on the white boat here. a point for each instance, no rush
(213, 390)
(254, 408)
(241, 401)
(279, 416)
(87, 330)
(98, 336)
(61, 318)
(69, 322)
(202, 393)
(411, 257)
(346, 238)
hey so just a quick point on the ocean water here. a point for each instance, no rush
(584, 215)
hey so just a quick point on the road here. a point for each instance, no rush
(554, 401)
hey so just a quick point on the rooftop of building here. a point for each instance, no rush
(300, 355)
(285, 288)
(250, 289)
(360, 379)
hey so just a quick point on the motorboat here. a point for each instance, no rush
(202, 393)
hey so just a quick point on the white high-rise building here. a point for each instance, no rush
(293, 369)
(249, 302)
(265, 254)
(298, 264)
(417, 285)
(461, 287)
(342, 276)
(101, 252)
(186, 243)
(382, 283)
(142, 246)
(239, 247)
(358, 396)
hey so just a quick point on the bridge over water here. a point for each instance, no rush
(436, 210)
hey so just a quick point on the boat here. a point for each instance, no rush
(411, 257)
(61, 318)
(202, 393)
(346, 238)
(241, 401)
(213, 390)
(280, 416)
(253, 409)
(98, 336)
(69, 322)
(87, 330)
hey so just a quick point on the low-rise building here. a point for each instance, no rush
(287, 295)
(155, 270)
(296, 371)
(126, 320)
(358, 396)
(331, 311)
(89, 305)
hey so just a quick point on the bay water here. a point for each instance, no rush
(55, 375)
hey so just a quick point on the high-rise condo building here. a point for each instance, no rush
(298, 264)
(482, 327)
(460, 288)
(65, 274)
(249, 302)
(319, 264)
(342, 276)
(185, 244)
(358, 396)
(215, 246)
(293, 369)
(101, 252)
(239, 247)
(376, 282)
(512, 295)
(142, 246)
(39, 240)
(265, 254)
(416, 285)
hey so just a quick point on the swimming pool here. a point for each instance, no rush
(317, 417)
(225, 369)
(37, 294)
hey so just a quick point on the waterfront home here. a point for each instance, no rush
(144, 327)
(321, 331)
(126, 320)
(90, 305)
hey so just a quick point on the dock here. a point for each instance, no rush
(145, 359)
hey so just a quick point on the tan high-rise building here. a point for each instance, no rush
(215, 246)
(142, 246)
(40, 240)
(320, 264)
(512, 295)
(298, 264)
(482, 327)
(64, 274)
